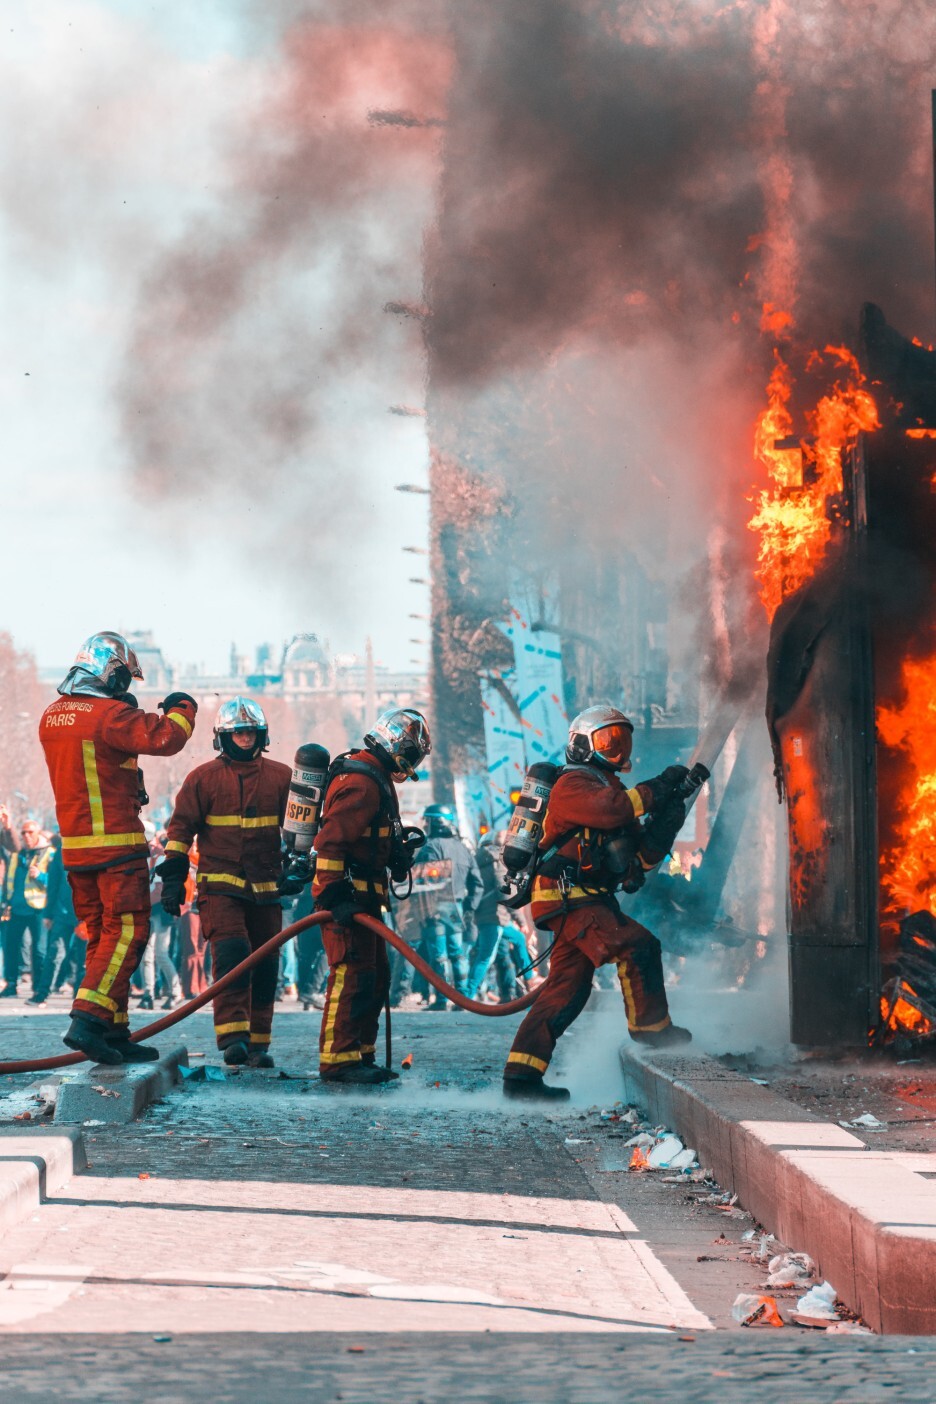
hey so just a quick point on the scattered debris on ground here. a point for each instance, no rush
(793, 1294)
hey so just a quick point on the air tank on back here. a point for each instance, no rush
(526, 823)
(304, 803)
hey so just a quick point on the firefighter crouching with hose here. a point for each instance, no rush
(576, 875)
(92, 738)
(234, 807)
(359, 847)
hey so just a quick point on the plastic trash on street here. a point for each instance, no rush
(791, 1270)
(818, 1302)
(749, 1310)
(664, 1151)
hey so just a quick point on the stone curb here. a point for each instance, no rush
(114, 1095)
(33, 1164)
(867, 1219)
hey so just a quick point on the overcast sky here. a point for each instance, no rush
(121, 121)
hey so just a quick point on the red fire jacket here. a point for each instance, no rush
(234, 809)
(584, 798)
(354, 838)
(91, 747)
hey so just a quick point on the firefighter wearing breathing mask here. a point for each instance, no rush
(360, 846)
(589, 810)
(233, 807)
(92, 737)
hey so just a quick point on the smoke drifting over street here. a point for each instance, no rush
(614, 195)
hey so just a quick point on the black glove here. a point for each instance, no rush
(662, 786)
(660, 831)
(174, 698)
(297, 871)
(341, 899)
(635, 878)
(172, 873)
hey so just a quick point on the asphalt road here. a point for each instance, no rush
(263, 1237)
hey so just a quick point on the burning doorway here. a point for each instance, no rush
(852, 692)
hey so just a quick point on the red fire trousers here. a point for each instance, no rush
(358, 985)
(114, 904)
(586, 938)
(244, 1011)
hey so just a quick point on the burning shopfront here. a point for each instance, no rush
(847, 564)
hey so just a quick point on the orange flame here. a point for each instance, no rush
(639, 1160)
(792, 512)
(908, 870)
(903, 1017)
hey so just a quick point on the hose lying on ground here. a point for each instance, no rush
(474, 1006)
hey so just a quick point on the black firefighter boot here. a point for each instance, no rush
(131, 1052)
(355, 1075)
(669, 1037)
(236, 1054)
(533, 1089)
(369, 1060)
(260, 1056)
(89, 1036)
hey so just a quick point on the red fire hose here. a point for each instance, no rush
(474, 1006)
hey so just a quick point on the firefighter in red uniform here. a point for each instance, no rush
(573, 895)
(233, 806)
(91, 738)
(359, 846)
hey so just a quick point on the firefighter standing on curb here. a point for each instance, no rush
(234, 806)
(359, 846)
(573, 896)
(91, 738)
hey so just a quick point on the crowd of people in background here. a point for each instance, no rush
(458, 923)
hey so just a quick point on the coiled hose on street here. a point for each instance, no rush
(474, 1006)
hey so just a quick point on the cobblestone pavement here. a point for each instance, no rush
(427, 1240)
(780, 1368)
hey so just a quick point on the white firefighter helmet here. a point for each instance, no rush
(240, 714)
(601, 734)
(104, 667)
(401, 738)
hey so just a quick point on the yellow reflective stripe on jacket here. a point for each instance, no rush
(238, 882)
(369, 832)
(238, 821)
(528, 1061)
(93, 782)
(362, 885)
(329, 865)
(636, 800)
(103, 840)
(97, 837)
(92, 997)
(174, 846)
(545, 890)
(179, 720)
(222, 877)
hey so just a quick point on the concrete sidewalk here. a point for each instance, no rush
(35, 1163)
(868, 1218)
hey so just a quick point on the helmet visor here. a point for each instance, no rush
(613, 743)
